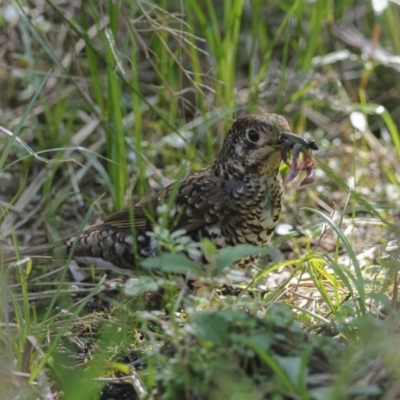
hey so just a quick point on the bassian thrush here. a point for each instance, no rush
(236, 199)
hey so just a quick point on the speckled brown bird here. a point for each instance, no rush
(237, 199)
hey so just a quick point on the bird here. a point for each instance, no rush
(235, 200)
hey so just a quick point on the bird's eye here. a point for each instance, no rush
(253, 135)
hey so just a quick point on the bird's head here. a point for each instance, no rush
(252, 147)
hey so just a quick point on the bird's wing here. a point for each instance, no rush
(207, 200)
(199, 201)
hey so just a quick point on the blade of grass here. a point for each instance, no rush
(359, 280)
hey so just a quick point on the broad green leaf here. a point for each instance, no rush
(172, 263)
(229, 255)
(212, 328)
(294, 369)
(208, 248)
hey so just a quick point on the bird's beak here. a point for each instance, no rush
(287, 140)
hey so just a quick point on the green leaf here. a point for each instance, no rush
(172, 263)
(262, 339)
(212, 328)
(229, 255)
(322, 393)
(208, 248)
(136, 286)
(293, 367)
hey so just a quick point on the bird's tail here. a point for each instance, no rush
(55, 250)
